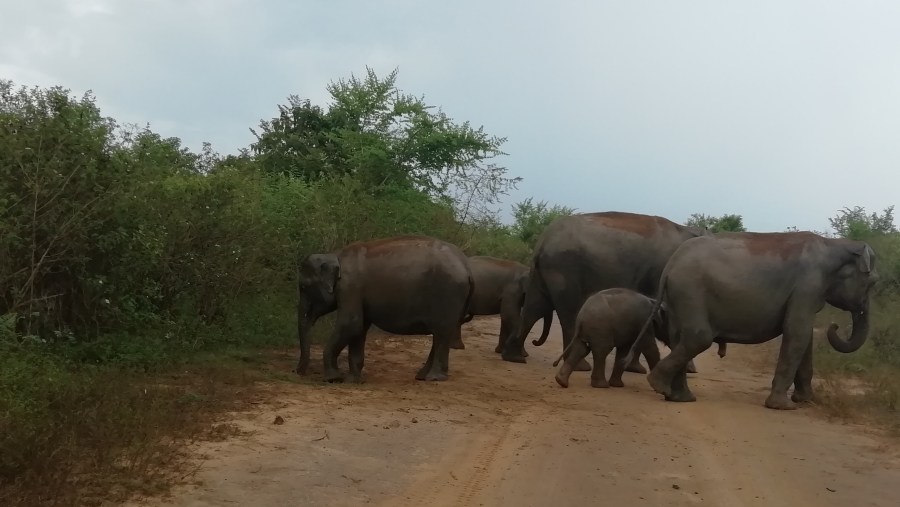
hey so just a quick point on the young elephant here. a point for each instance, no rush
(407, 285)
(612, 318)
(608, 319)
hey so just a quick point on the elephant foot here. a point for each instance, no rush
(334, 377)
(583, 365)
(616, 382)
(636, 367)
(684, 396)
(563, 381)
(802, 397)
(658, 383)
(429, 372)
(436, 376)
(457, 345)
(689, 367)
(780, 402)
(514, 357)
(599, 382)
(357, 379)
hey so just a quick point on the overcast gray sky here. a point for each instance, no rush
(782, 111)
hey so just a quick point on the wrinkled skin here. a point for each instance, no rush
(406, 285)
(611, 319)
(500, 289)
(581, 254)
(753, 287)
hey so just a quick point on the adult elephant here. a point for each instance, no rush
(753, 287)
(406, 285)
(500, 289)
(581, 254)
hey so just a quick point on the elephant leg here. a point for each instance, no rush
(651, 353)
(680, 390)
(578, 351)
(803, 392)
(426, 369)
(666, 378)
(505, 324)
(339, 340)
(615, 379)
(457, 344)
(437, 365)
(598, 375)
(635, 366)
(514, 347)
(795, 343)
(722, 346)
(690, 367)
(356, 356)
(567, 323)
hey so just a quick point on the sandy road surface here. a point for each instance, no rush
(501, 434)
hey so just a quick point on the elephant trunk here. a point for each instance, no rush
(305, 322)
(548, 320)
(858, 334)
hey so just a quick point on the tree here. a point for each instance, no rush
(855, 223)
(724, 223)
(532, 218)
(384, 137)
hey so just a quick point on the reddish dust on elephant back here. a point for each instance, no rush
(642, 225)
(380, 246)
(784, 245)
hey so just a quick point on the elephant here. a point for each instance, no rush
(406, 285)
(612, 318)
(580, 254)
(751, 287)
(500, 289)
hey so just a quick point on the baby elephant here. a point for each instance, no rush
(608, 319)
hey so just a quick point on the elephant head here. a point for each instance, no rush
(318, 275)
(850, 289)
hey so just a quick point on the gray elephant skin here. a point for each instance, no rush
(406, 285)
(500, 289)
(581, 254)
(752, 287)
(612, 319)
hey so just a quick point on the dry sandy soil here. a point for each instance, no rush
(501, 434)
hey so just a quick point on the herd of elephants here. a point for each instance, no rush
(616, 280)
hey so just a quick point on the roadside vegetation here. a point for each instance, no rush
(144, 287)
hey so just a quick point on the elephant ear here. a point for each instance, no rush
(330, 271)
(865, 258)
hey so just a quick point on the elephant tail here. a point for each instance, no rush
(569, 346)
(643, 334)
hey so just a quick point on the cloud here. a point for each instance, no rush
(783, 112)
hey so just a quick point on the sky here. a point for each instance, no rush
(783, 112)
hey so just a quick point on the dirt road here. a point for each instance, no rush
(501, 434)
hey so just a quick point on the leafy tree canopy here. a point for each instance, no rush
(855, 223)
(724, 223)
(384, 137)
(531, 218)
